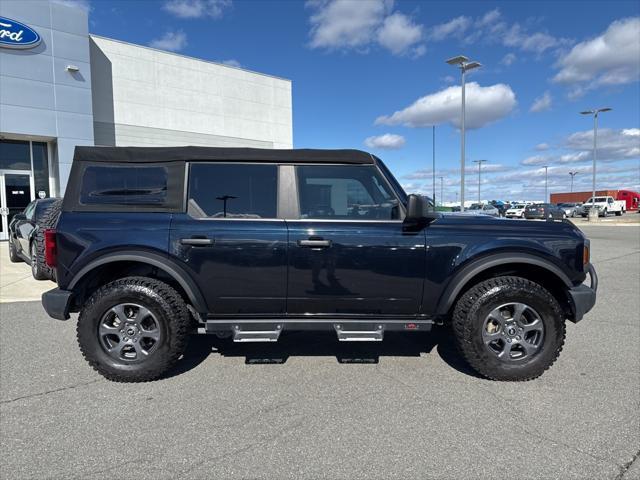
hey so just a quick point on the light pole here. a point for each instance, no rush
(573, 174)
(546, 182)
(465, 65)
(595, 113)
(433, 164)
(479, 162)
(441, 190)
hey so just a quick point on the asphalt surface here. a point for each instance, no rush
(406, 408)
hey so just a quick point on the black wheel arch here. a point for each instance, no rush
(171, 269)
(527, 265)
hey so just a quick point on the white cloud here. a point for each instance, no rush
(173, 41)
(82, 4)
(493, 28)
(399, 34)
(388, 141)
(542, 103)
(358, 24)
(542, 146)
(196, 8)
(611, 58)
(613, 146)
(453, 28)
(232, 63)
(508, 59)
(483, 105)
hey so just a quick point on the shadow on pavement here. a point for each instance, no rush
(325, 344)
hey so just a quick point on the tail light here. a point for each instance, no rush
(50, 248)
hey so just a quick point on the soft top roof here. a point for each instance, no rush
(215, 154)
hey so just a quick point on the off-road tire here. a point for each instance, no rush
(468, 319)
(49, 219)
(163, 301)
(13, 254)
(37, 269)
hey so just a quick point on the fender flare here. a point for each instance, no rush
(464, 275)
(164, 263)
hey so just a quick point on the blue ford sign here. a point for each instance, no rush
(14, 34)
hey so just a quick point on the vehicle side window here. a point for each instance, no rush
(233, 191)
(353, 192)
(30, 210)
(124, 185)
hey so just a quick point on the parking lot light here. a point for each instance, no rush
(573, 174)
(546, 182)
(464, 65)
(479, 162)
(595, 113)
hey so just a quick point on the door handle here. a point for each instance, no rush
(314, 243)
(198, 242)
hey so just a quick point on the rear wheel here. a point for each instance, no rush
(37, 269)
(133, 329)
(509, 328)
(13, 253)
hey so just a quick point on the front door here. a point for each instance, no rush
(232, 240)
(15, 194)
(348, 253)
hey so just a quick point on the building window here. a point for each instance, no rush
(233, 191)
(40, 168)
(15, 155)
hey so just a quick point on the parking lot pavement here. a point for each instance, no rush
(309, 407)
(16, 281)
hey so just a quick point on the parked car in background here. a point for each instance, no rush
(480, 209)
(605, 206)
(26, 242)
(544, 211)
(516, 211)
(571, 209)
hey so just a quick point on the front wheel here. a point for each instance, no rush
(133, 329)
(509, 328)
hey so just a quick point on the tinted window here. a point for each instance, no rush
(124, 185)
(40, 168)
(233, 191)
(15, 155)
(345, 192)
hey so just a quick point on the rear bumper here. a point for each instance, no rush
(57, 303)
(583, 296)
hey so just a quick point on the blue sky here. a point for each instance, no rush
(371, 74)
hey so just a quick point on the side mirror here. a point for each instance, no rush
(20, 216)
(420, 212)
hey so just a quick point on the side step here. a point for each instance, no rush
(241, 333)
(368, 333)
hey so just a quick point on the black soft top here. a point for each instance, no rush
(215, 154)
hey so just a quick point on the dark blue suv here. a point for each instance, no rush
(156, 243)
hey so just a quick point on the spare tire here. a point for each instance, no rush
(49, 219)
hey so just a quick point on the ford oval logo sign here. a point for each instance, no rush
(17, 35)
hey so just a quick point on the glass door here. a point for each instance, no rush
(16, 191)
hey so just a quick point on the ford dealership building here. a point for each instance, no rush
(61, 87)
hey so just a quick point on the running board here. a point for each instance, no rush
(359, 335)
(243, 334)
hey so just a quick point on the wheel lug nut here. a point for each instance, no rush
(509, 340)
(518, 337)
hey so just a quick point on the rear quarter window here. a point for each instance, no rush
(124, 185)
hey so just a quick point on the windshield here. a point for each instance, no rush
(475, 206)
(519, 205)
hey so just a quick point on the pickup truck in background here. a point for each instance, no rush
(605, 206)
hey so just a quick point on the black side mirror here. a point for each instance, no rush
(420, 212)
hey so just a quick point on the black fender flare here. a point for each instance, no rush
(164, 263)
(466, 273)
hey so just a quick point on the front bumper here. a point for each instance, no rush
(583, 297)
(57, 303)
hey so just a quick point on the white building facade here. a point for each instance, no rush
(61, 87)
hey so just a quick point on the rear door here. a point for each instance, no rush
(348, 253)
(232, 240)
